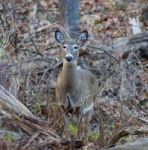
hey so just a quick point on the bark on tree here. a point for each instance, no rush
(70, 11)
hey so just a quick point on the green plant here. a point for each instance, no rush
(2, 52)
(93, 136)
(72, 128)
(9, 137)
(37, 107)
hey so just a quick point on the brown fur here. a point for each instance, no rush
(79, 84)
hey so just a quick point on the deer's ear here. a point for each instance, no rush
(83, 37)
(59, 36)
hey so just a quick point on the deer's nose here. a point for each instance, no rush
(69, 57)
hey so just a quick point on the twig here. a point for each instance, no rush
(52, 68)
(55, 66)
(101, 49)
(34, 32)
(36, 48)
(35, 135)
(143, 120)
(2, 23)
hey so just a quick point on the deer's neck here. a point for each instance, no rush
(69, 72)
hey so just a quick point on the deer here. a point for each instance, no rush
(75, 87)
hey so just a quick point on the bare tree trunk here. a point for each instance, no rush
(70, 10)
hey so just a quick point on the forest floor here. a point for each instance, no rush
(30, 61)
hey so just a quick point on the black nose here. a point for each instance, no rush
(69, 58)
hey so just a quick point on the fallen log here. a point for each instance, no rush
(137, 43)
(9, 102)
(17, 113)
(140, 144)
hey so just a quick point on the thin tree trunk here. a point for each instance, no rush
(70, 11)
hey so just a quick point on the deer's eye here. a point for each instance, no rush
(64, 46)
(75, 47)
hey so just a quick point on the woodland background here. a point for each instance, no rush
(30, 61)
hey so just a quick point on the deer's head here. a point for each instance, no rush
(71, 46)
